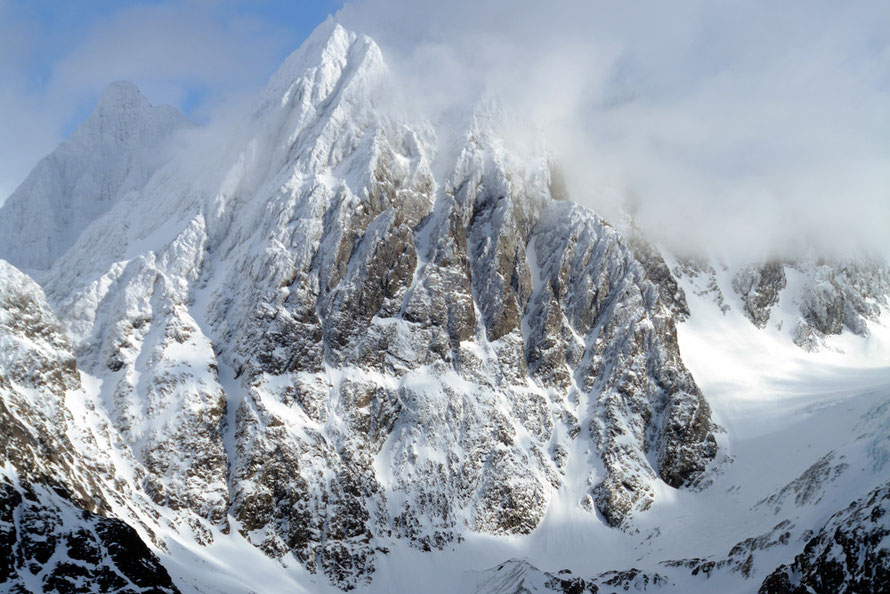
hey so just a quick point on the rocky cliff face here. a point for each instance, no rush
(55, 533)
(412, 355)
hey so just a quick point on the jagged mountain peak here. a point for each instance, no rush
(120, 95)
(357, 337)
(114, 151)
(328, 283)
(318, 110)
(330, 58)
(125, 119)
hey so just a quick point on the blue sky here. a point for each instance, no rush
(58, 29)
(57, 56)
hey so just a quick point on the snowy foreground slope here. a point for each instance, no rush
(351, 349)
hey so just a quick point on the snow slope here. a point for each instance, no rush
(806, 435)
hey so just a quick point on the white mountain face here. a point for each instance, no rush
(357, 355)
(112, 154)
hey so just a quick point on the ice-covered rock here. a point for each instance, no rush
(343, 333)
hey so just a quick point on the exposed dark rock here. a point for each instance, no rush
(851, 553)
(72, 550)
(759, 288)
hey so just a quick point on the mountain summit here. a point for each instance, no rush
(341, 351)
(115, 151)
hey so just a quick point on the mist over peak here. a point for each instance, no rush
(746, 129)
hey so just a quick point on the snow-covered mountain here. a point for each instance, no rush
(58, 531)
(112, 154)
(353, 349)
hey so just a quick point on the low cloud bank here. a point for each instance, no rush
(754, 128)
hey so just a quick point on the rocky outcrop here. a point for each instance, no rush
(841, 295)
(809, 487)
(849, 554)
(521, 576)
(759, 288)
(658, 272)
(37, 369)
(628, 357)
(830, 295)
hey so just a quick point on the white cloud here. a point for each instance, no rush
(754, 127)
(750, 126)
(168, 49)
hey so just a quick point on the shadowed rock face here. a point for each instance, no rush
(849, 554)
(629, 361)
(38, 369)
(45, 538)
